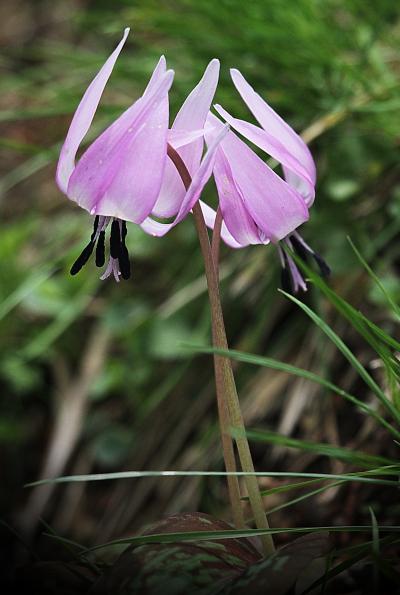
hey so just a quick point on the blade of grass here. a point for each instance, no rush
(355, 317)
(302, 497)
(375, 278)
(234, 534)
(368, 473)
(361, 477)
(348, 354)
(295, 371)
(381, 334)
(335, 452)
(287, 487)
(21, 292)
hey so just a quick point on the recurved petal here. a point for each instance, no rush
(295, 172)
(103, 146)
(274, 125)
(199, 180)
(83, 118)
(235, 215)
(120, 174)
(190, 117)
(301, 184)
(193, 113)
(234, 212)
(276, 208)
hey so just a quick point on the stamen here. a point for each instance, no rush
(123, 258)
(115, 269)
(323, 266)
(82, 258)
(286, 280)
(124, 231)
(299, 248)
(297, 279)
(118, 264)
(115, 239)
(108, 271)
(124, 263)
(281, 256)
(300, 245)
(101, 249)
(95, 226)
(291, 278)
(87, 251)
(300, 240)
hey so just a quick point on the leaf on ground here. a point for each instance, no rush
(204, 567)
(278, 573)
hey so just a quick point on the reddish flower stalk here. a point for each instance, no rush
(230, 414)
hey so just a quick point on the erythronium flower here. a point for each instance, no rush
(257, 205)
(125, 174)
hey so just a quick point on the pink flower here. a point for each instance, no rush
(125, 174)
(258, 206)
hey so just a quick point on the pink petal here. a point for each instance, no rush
(194, 111)
(120, 174)
(180, 138)
(193, 193)
(190, 117)
(158, 73)
(274, 206)
(234, 212)
(275, 126)
(295, 172)
(209, 217)
(83, 118)
(106, 142)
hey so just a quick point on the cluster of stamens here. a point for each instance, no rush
(118, 263)
(291, 278)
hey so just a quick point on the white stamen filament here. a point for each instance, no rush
(281, 257)
(102, 226)
(302, 242)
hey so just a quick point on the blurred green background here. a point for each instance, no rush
(94, 377)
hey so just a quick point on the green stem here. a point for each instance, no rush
(225, 382)
(216, 241)
(223, 413)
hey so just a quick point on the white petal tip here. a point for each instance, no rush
(236, 74)
(213, 68)
(126, 31)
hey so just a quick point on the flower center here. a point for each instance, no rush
(118, 262)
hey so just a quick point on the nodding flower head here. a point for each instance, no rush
(258, 206)
(125, 174)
